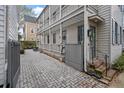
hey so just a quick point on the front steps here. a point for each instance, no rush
(98, 70)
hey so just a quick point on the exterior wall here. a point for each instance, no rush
(13, 23)
(29, 36)
(2, 42)
(116, 49)
(6, 32)
(72, 34)
(103, 30)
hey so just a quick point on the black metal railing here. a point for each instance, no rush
(105, 57)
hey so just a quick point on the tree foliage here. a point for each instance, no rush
(24, 10)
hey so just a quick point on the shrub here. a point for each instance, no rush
(22, 51)
(119, 63)
(28, 44)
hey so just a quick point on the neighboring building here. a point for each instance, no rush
(122, 9)
(8, 32)
(79, 34)
(29, 28)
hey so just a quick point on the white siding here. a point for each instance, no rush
(72, 34)
(103, 30)
(116, 49)
(2, 42)
(12, 20)
(12, 34)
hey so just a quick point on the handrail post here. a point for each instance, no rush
(106, 63)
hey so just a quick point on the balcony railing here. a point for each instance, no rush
(94, 8)
(67, 9)
(46, 23)
(56, 16)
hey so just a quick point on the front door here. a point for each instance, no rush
(92, 39)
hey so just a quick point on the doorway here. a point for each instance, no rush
(92, 42)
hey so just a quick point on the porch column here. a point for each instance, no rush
(50, 39)
(86, 27)
(60, 37)
(60, 9)
(43, 20)
(49, 16)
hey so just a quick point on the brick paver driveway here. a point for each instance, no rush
(40, 70)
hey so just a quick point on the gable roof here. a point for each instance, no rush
(28, 18)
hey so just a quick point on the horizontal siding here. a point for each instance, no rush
(13, 23)
(103, 30)
(2, 43)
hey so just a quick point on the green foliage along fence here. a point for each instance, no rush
(28, 44)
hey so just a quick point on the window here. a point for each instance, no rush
(116, 33)
(47, 39)
(32, 31)
(64, 35)
(47, 21)
(63, 6)
(80, 34)
(54, 38)
(54, 15)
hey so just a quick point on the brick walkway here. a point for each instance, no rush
(41, 71)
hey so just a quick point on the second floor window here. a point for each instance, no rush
(63, 6)
(54, 15)
(32, 31)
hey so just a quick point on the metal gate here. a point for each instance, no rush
(74, 56)
(13, 69)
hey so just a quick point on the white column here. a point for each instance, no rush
(43, 19)
(60, 9)
(60, 36)
(50, 39)
(49, 16)
(86, 27)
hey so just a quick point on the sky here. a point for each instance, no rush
(37, 9)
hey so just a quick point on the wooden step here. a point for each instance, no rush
(107, 82)
(101, 68)
(97, 63)
(110, 74)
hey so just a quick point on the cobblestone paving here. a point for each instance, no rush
(41, 71)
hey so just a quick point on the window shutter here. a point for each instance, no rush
(120, 35)
(116, 33)
(113, 32)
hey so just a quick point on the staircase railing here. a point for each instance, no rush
(106, 56)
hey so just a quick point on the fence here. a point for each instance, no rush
(13, 69)
(74, 56)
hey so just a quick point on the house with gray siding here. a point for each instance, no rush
(81, 34)
(8, 31)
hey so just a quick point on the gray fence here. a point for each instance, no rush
(74, 56)
(13, 69)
